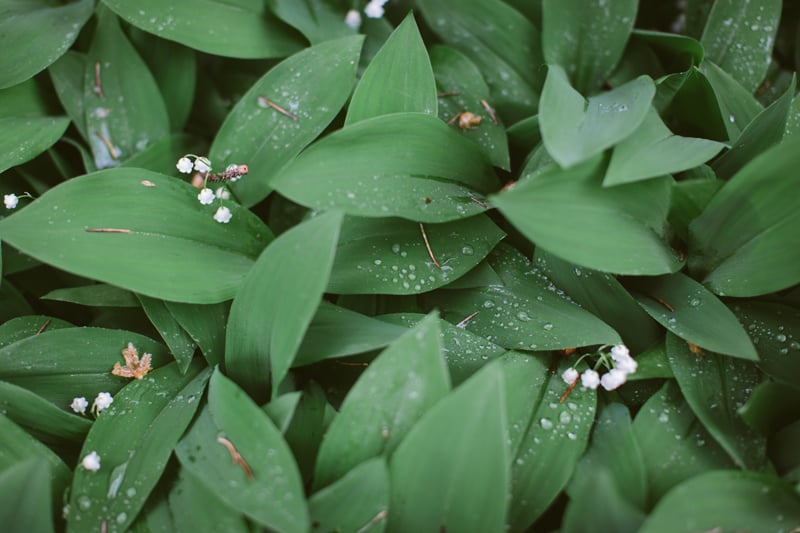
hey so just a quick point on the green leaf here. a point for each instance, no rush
(195, 508)
(160, 156)
(119, 122)
(586, 40)
(40, 417)
(179, 342)
(653, 150)
(304, 431)
(433, 484)
(97, 295)
(743, 242)
(409, 165)
(737, 105)
(612, 229)
(164, 223)
(18, 446)
(67, 75)
(771, 407)
(317, 20)
(739, 36)
(134, 438)
(690, 100)
(411, 376)
(691, 312)
(554, 441)
(689, 198)
(574, 129)
(356, 501)
(461, 88)
(398, 79)
(26, 486)
(236, 28)
(504, 45)
(682, 49)
(724, 385)
(273, 495)
(390, 256)
(23, 138)
(205, 324)
(525, 378)
(765, 130)
(338, 332)
(674, 445)
(728, 500)
(56, 28)
(313, 85)
(263, 338)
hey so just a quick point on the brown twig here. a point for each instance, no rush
(276, 107)
(428, 246)
(665, 304)
(569, 390)
(377, 518)
(476, 201)
(44, 326)
(107, 230)
(466, 320)
(237, 458)
(98, 87)
(113, 151)
(489, 110)
(448, 93)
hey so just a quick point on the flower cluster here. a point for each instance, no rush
(202, 165)
(620, 365)
(12, 200)
(102, 401)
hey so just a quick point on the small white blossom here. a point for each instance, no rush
(353, 19)
(11, 201)
(102, 401)
(590, 379)
(202, 165)
(222, 193)
(206, 197)
(223, 215)
(184, 165)
(374, 9)
(627, 365)
(569, 376)
(91, 462)
(613, 379)
(79, 405)
(620, 351)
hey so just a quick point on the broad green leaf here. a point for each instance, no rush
(440, 471)
(312, 85)
(119, 122)
(62, 364)
(23, 138)
(390, 256)
(727, 500)
(357, 501)
(504, 45)
(745, 242)
(690, 197)
(234, 28)
(205, 324)
(398, 79)
(675, 446)
(574, 129)
(691, 312)
(716, 387)
(17, 446)
(277, 301)
(461, 88)
(264, 484)
(690, 100)
(612, 229)
(338, 332)
(793, 120)
(775, 330)
(67, 75)
(615, 462)
(765, 130)
(281, 410)
(134, 438)
(771, 407)
(739, 36)
(179, 342)
(603, 296)
(23, 327)
(681, 49)
(409, 165)
(737, 105)
(154, 242)
(97, 295)
(196, 508)
(27, 497)
(525, 377)
(306, 428)
(554, 440)
(40, 417)
(394, 391)
(586, 39)
(155, 515)
(56, 28)
(653, 150)
(317, 20)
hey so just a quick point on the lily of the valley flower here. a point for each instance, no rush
(11, 201)
(222, 193)
(185, 165)
(202, 165)
(613, 379)
(91, 462)
(79, 405)
(102, 401)
(223, 215)
(353, 19)
(570, 375)
(590, 379)
(374, 9)
(206, 197)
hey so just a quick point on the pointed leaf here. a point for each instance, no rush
(97, 295)
(205, 324)
(195, 507)
(23, 138)
(737, 105)
(262, 337)
(317, 20)
(165, 222)
(178, 340)
(574, 130)
(28, 497)
(40, 417)
(312, 85)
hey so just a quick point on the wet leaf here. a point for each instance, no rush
(23, 138)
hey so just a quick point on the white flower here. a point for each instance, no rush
(627, 365)
(184, 165)
(353, 19)
(206, 197)
(11, 201)
(620, 351)
(91, 462)
(223, 215)
(202, 165)
(590, 379)
(613, 379)
(222, 193)
(569, 376)
(374, 9)
(79, 405)
(102, 401)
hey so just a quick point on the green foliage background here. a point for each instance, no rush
(375, 340)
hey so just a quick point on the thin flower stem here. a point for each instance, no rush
(428, 246)
(276, 107)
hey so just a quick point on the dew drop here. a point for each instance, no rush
(694, 301)
(548, 326)
(522, 316)
(84, 502)
(467, 250)
(565, 417)
(488, 304)
(571, 435)
(780, 337)
(546, 423)
(377, 261)
(396, 248)
(121, 518)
